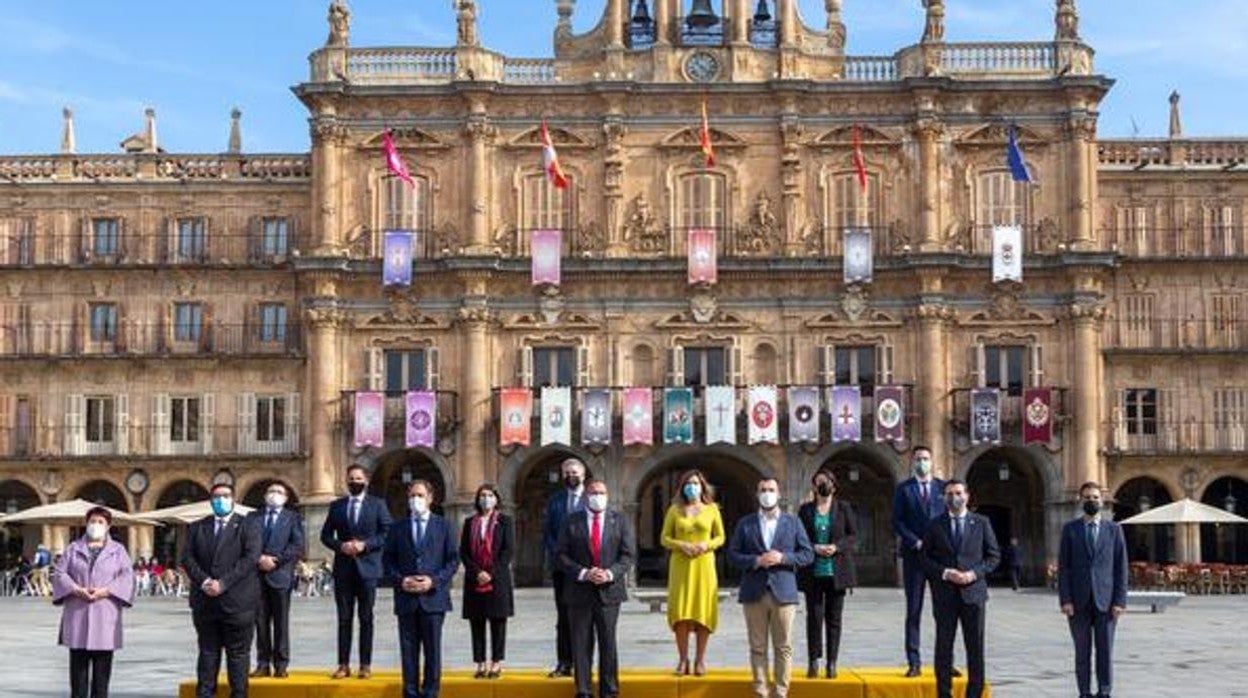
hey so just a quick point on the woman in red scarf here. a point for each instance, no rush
(486, 549)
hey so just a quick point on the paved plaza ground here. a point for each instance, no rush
(1196, 650)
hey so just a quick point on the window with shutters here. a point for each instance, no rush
(851, 207)
(554, 366)
(543, 206)
(701, 201)
(191, 243)
(273, 323)
(643, 365)
(855, 365)
(184, 420)
(274, 237)
(23, 426)
(405, 207)
(1225, 321)
(105, 237)
(188, 321)
(1221, 230)
(1137, 322)
(1137, 237)
(17, 241)
(999, 201)
(270, 418)
(1140, 410)
(1230, 418)
(706, 366)
(101, 419)
(103, 322)
(766, 364)
(405, 370)
(1006, 367)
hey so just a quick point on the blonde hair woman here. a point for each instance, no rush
(692, 531)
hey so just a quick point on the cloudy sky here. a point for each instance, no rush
(194, 61)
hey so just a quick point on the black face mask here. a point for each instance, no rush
(356, 488)
(572, 482)
(824, 489)
(1091, 507)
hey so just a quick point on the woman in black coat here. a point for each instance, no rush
(832, 527)
(486, 547)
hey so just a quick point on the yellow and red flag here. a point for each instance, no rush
(860, 163)
(704, 138)
(550, 160)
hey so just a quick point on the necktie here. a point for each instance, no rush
(1092, 536)
(420, 531)
(571, 502)
(595, 540)
(220, 525)
(957, 532)
(923, 493)
(355, 511)
(268, 525)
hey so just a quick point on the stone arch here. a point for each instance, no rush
(1155, 543)
(527, 479)
(16, 495)
(1225, 543)
(867, 474)
(1011, 485)
(643, 359)
(174, 493)
(766, 364)
(1047, 467)
(390, 472)
(103, 492)
(253, 492)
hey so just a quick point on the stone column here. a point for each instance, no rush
(740, 22)
(928, 132)
(1086, 393)
(614, 130)
(662, 22)
(480, 134)
(327, 138)
(1082, 131)
(322, 401)
(931, 365)
(474, 398)
(787, 11)
(616, 11)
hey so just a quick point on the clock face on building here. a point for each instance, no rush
(702, 66)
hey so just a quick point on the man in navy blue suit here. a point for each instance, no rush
(1092, 586)
(421, 558)
(355, 529)
(768, 548)
(916, 501)
(959, 552)
(568, 500)
(281, 541)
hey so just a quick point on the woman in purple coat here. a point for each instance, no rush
(93, 583)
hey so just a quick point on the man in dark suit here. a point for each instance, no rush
(421, 558)
(769, 548)
(959, 552)
(595, 552)
(220, 559)
(1092, 585)
(281, 541)
(916, 501)
(570, 499)
(355, 529)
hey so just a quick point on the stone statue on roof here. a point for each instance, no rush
(339, 24)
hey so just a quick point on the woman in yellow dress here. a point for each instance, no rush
(692, 531)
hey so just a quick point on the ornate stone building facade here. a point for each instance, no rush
(171, 319)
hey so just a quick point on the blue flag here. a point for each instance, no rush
(1014, 156)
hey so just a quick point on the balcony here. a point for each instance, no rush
(426, 244)
(1168, 244)
(1160, 154)
(1163, 437)
(142, 440)
(59, 340)
(147, 250)
(267, 168)
(867, 414)
(1012, 416)
(1179, 335)
(395, 429)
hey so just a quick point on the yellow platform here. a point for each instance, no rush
(644, 683)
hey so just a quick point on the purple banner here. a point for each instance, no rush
(422, 418)
(890, 413)
(370, 412)
(547, 257)
(845, 406)
(397, 256)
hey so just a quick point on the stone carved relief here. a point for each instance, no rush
(855, 303)
(591, 240)
(403, 311)
(641, 229)
(762, 235)
(551, 304)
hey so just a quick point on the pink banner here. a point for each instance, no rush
(702, 257)
(516, 413)
(638, 416)
(370, 416)
(422, 418)
(547, 253)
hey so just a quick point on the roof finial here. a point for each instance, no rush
(149, 130)
(1176, 121)
(1067, 21)
(339, 25)
(934, 29)
(466, 23)
(236, 132)
(69, 144)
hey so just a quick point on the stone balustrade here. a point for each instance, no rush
(870, 69)
(529, 71)
(389, 66)
(1140, 153)
(149, 166)
(1021, 59)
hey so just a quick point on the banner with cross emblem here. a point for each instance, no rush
(638, 416)
(596, 417)
(985, 416)
(721, 414)
(845, 408)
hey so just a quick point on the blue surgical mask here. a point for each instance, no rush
(692, 491)
(222, 506)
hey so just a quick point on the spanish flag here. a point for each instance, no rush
(704, 138)
(860, 163)
(550, 160)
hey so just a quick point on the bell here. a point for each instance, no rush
(763, 13)
(641, 15)
(701, 15)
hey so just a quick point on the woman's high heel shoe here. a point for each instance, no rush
(699, 669)
(682, 667)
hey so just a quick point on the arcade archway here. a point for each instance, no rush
(165, 538)
(107, 494)
(255, 494)
(536, 481)
(1008, 487)
(16, 496)
(1222, 542)
(866, 481)
(1144, 543)
(396, 470)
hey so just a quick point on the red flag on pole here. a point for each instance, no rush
(394, 162)
(704, 137)
(550, 160)
(860, 163)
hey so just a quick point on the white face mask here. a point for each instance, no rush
(768, 500)
(96, 531)
(597, 503)
(275, 500)
(419, 505)
(487, 502)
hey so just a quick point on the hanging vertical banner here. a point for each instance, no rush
(547, 248)
(422, 418)
(845, 408)
(556, 415)
(890, 413)
(516, 410)
(1007, 253)
(397, 253)
(638, 416)
(678, 416)
(1037, 416)
(859, 260)
(721, 414)
(596, 417)
(985, 416)
(370, 417)
(703, 267)
(803, 415)
(764, 426)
